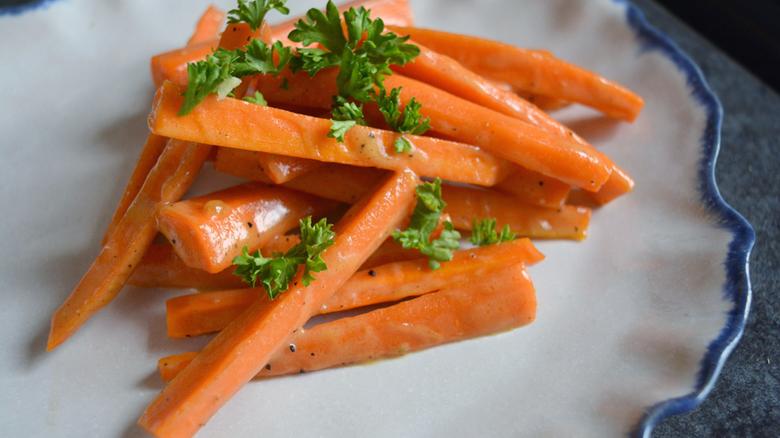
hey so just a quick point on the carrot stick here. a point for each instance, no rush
(465, 203)
(241, 350)
(502, 301)
(209, 231)
(242, 125)
(281, 168)
(149, 154)
(535, 189)
(531, 71)
(172, 65)
(447, 74)
(618, 184)
(202, 313)
(559, 156)
(161, 267)
(209, 25)
(167, 181)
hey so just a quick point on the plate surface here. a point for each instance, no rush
(633, 323)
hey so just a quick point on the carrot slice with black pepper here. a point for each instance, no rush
(207, 312)
(502, 301)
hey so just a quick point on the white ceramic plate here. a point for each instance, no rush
(633, 323)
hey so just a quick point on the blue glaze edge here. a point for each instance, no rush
(24, 7)
(737, 285)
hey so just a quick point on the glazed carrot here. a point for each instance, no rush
(527, 218)
(240, 163)
(167, 181)
(209, 231)
(149, 154)
(545, 103)
(535, 189)
(531, 71)
(529, 146)
(208, 26)
(618, 184)
(466, 203)
(242, 125)
(241, 350)
(172, 65)
(550, 153)
(503, 301)
(202, 313)
(281, 168)
(161, 267)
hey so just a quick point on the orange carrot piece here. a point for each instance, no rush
(241, 350)
(557, 155)
(618, 184)
(161, 267)
(209, 231)
(149, 154)
(202, 313)
(535, 189)
(209, 25)
(531, 71)
(545, 103)
(531, 147)
(281, 168)
(170, 178)
(503, 301)
(240, 163)
(465, 204)
(172, 65)
(242, 125)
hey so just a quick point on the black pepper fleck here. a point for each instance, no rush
(311, 354)
(268, 366)
(173, 241)
(292, 348)
(249, 224)
(541, 183)
(372, 272)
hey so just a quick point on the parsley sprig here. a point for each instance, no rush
(276, 273)
(364, 56)
(253, 12)
(484, 233)
(425, 219)
(220, 71)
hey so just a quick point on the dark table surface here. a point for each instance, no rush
(746, 399)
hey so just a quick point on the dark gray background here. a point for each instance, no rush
(746, 399)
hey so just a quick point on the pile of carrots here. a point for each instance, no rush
(500, 154)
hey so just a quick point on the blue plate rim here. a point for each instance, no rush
(737, 287)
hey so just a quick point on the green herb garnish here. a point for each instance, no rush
(425, 219)
(253, 12)
(276, 273)
(484, 233)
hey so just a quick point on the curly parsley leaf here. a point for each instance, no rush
(323, 28)
(410, 121)
(425, 219)
(312, 60)
(205, 77)
(253, 12)
(257, 99)
(484, 233)
(258, 57)
(276, 273)
(338, 128)
(346, 110)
